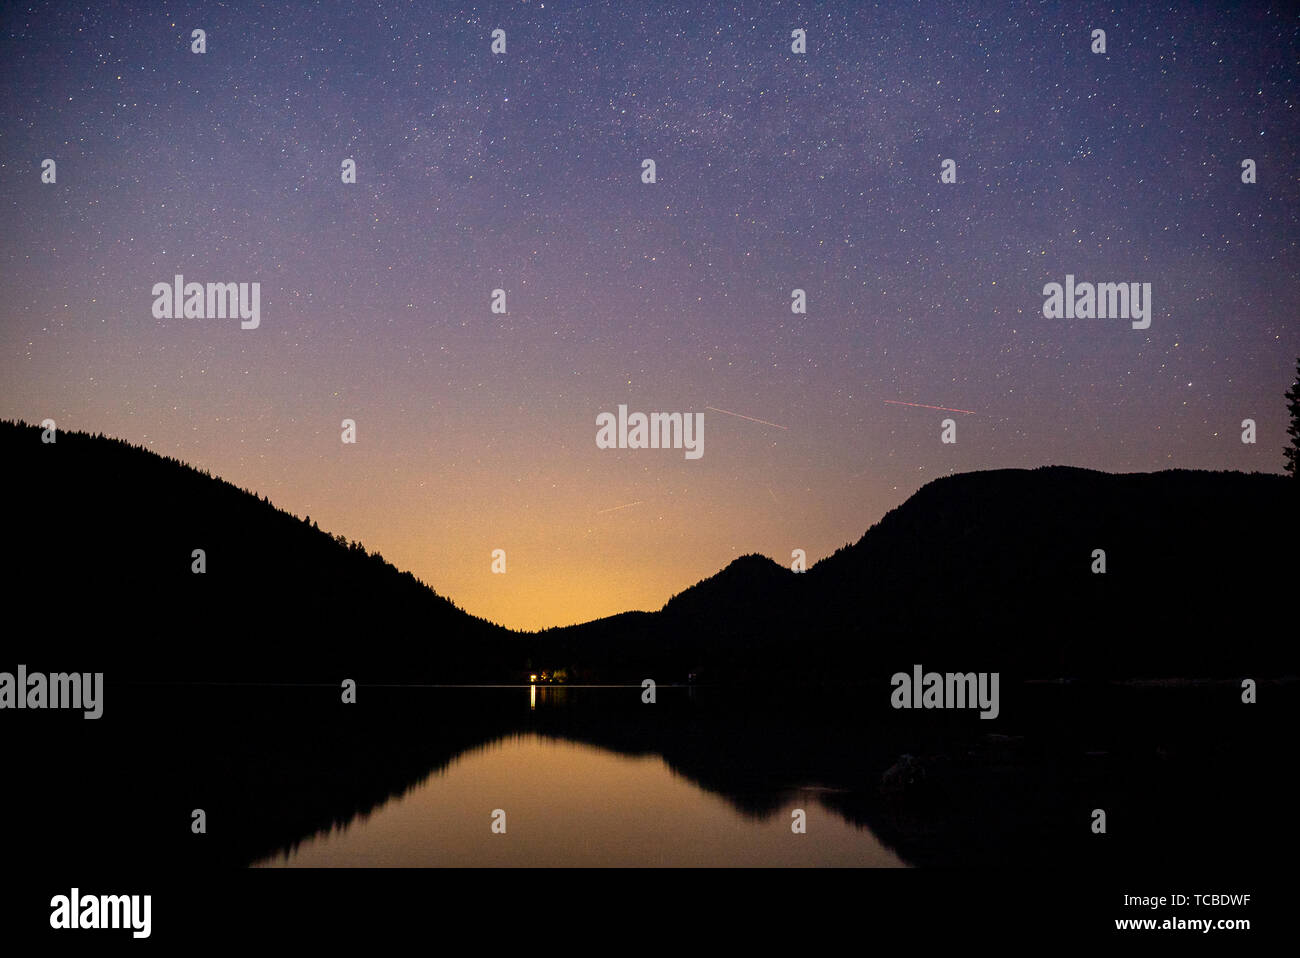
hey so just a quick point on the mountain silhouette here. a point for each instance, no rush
(988, 571)
(985, 571)
(995, 568)
(101, 537)
(993, 571)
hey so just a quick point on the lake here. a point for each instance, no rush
(572, 804)
(410, 776)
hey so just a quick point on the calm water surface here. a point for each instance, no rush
(573, 804)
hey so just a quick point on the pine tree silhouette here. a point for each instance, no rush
(1292, 452)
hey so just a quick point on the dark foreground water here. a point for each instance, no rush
(1185, 773)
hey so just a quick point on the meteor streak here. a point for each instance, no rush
(897, 402)
(628, 505)
(739, 416)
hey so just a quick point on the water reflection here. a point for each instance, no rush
(410, 776)
(573, 804)
(594, 776)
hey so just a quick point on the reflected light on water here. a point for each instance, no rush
(574, 804)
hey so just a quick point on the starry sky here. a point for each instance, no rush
(522, 171)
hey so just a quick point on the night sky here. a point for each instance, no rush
(522, 171)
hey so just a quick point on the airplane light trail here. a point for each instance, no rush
(924, 406)
(739, 416)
